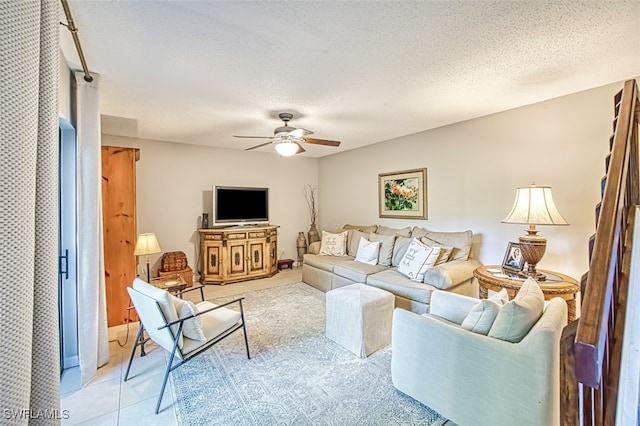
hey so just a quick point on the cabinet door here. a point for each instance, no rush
(273, 254)
(257, 251)
(237, 262)
(212, 252)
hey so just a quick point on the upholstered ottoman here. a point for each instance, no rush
(359, 318)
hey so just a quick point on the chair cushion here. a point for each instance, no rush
(191, 328)
(481, 317)
(520, 314)
(164, 300)
(368, 251)
(214, 323)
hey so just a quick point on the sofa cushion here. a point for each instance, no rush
(362, 228)
(417, 232)
(399, 232)
(393, 281)
(399, 249)
(353, 241)
(325, 263)
(356, 271)
(445, 251)
(368, 251)
(418, 259)
(460, 241)
(386, 247)
(520, 314)
(334, 244)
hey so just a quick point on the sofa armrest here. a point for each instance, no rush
(451, 273)
(451, 306)
(314, 248)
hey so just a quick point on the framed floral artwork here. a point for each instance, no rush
(403, 194)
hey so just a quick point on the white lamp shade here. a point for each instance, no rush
(534, 205)
(147, 244)
(286, 148)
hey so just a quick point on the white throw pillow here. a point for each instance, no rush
(368, 251)
(520, 314)
(191, 328)
(418, 259)
(333, 244)
(483, 314)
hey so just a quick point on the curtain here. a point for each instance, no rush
(29, 80)
(93, 339)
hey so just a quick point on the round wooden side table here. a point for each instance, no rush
(492, 277)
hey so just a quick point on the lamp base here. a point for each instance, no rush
(532, 247)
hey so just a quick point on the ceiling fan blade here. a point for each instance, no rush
(300, 148)
(253, 137)
(258, 146)
(298, 133)
(322, 142)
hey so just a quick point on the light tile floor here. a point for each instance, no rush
(107, 400)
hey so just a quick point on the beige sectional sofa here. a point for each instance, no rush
(456, 275)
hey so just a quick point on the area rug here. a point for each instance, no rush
(296, 376)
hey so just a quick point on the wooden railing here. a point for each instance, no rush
(591, 346)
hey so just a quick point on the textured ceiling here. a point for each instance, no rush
(359, 72)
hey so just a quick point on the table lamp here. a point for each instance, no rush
(147, 244)
(534, 206)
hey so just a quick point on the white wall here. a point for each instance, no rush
(474, 168)
(174, 184)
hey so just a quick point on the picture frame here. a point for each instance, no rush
(403, 194)
(513, 260)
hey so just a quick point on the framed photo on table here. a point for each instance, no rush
(513, 260)
(403, 195)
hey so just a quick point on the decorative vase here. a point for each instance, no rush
(301, 245)
(313, 234)
(205, 221)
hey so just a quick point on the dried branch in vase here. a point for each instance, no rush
(310, 196)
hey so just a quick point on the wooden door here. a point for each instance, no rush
(212, 253)
(119, 229)
(257, 250)
(237, 262)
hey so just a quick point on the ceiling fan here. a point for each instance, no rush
(287, 139)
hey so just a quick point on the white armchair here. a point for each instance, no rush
(473, 379)
(180, 327)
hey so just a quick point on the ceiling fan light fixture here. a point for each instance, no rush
(286, 148)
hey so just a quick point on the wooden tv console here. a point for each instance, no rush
(238, 253)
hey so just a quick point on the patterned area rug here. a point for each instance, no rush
(296, 376)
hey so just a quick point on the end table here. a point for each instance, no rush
(492, 277)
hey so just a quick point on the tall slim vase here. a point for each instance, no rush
(301, 245)
(313, 234)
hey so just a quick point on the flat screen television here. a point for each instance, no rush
(234, 205)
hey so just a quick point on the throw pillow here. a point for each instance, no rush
(191, 328)
(386, 247)
(417, 260)
(460, 241)
(333, 244)
(520, 314)
(400, 232)
(482, 316)
(368, 251)
(353, 241)
(445, 251)
(164, 300)
(362, 228)
(399, 249)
